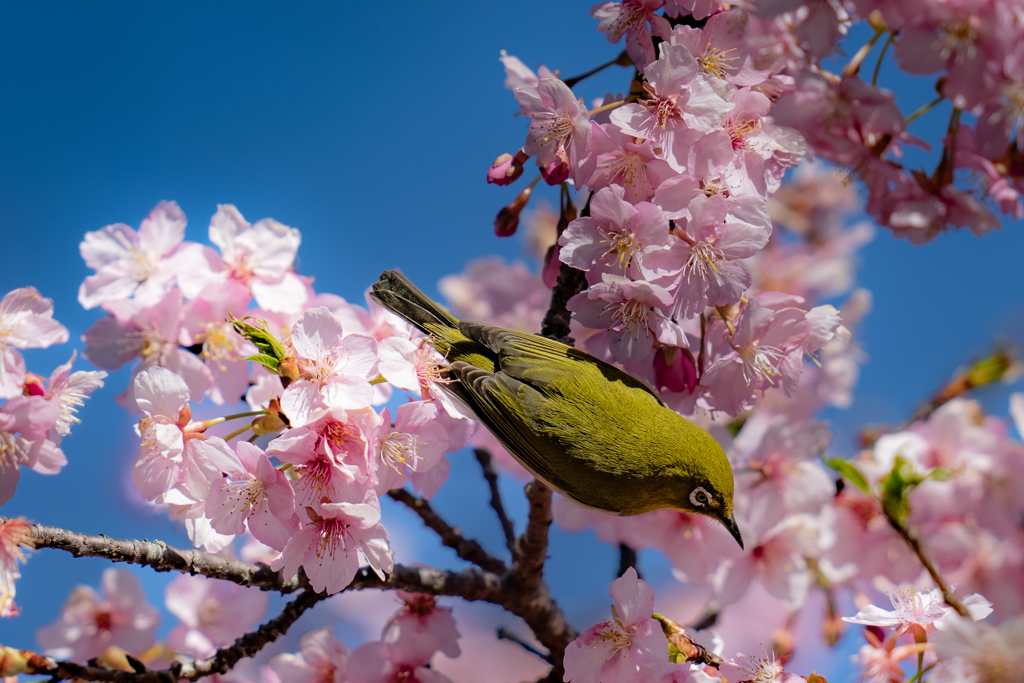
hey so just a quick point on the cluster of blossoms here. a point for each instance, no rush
(36, 413)
(311, 492)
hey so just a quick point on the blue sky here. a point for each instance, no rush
(371, 132)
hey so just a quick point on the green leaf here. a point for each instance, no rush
(942, 474)
(895, 487)
(269, 362)
(852, 474)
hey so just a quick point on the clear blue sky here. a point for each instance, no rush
(369, 127)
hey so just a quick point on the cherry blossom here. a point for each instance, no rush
(223, 350)
(337, 538)
(258, 497)
(413, 445)
(631, 311)
(378, 662)
(622, 161)
(324, 659)
(421, 628)
(68, 390)
(919, 612)
(25, 426)
(139, 264)
(26, 322)
(631, 18)
(559, 126)
(90, 623)
(213, 613)
(174, 453)
(973, 652)
(619, 649)
(335, 368)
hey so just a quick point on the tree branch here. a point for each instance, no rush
(910, 535)
(532, 546)
(484, 458)
(221, 662)
(165, 558)
(467, 549)
(556, 321)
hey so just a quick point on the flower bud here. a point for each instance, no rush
(508, 218)
(557, 172)
(33, 385)
(506, 169)
(675, 369)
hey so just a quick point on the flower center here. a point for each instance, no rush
(701, 263)
(626, 315)
(759, 363)
(220, 344)
(399, 451)
(629, 168)
(13, 451)
(333, 536)
(621, 248)
(740, 130)
(958, 36)
(555, 128)
(717, 62)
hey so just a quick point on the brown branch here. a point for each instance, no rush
(556, 321)
(484, 458)
(628, 558)
(913, 539)
(165, 558)
(532, 546)
(221, 662)
(466, 548)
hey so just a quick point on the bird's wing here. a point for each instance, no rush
(543, 362)
(502, 403)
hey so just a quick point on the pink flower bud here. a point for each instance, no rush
(675, 369)
(506, 169)
(557, 172)
(508, 218)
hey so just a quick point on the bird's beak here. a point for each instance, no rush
(733, 528)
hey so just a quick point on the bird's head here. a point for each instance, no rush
(708, 489)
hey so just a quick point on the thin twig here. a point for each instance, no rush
(483, 456)
(505, 634)
(164, 558)
(597, 69)
(466, 548)
(910, 535)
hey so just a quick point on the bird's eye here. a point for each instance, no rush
(700, 497)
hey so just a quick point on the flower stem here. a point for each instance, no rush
(853, 66)
(613, 105)
(924, 109)
(240, 415)
(236, 433)
(597, 69)
(881, 56)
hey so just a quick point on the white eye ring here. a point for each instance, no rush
(699, 497)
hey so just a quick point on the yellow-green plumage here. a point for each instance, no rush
(588, 429)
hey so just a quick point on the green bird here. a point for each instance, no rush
(582, 426)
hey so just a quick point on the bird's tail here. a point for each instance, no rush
(394, 292)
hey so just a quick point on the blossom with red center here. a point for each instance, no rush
(90, 622)
(337, 538)
(559, 126)
(410, 447)
(212, 612)
(323, 659)
(630, 18)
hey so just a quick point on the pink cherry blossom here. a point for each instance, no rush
(15, 534)
(413, 445)
(25, 426)
(631, 311)
(971, 652)
(212, 612)
(154, 335)
(26, 322)
(335, 368)
(767, 351)
(68, 390)
(518, 75)
(720, 50)
(682, 105)
(324, 659)
(415, 366)
(919, 612)
(331, 454)
(619, 649)
(259, 497)
(631, 18)
(621, 160)
(129, 263)
(757, 669)
(616, 238)
(260, 257)
(174, 453)
(334, 542)
(559, 125)
(377, 662)
(421, 628)
(90, 623)
(223, 350)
